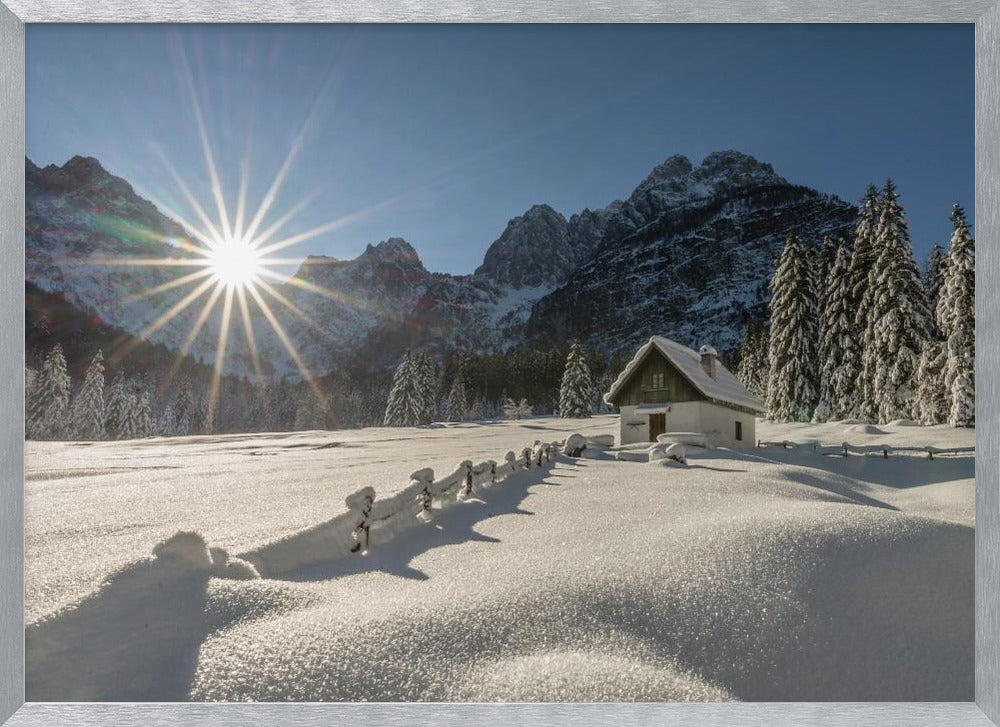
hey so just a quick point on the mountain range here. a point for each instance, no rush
(687, 255)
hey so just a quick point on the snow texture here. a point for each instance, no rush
(768, 575)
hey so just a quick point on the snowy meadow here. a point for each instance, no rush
(766, 574)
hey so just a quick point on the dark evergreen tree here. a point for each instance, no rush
(863, 259)
(87, 412)
(837, 344)
(956, 319)
(899, 317)
(575, 390)
(791, 389)
(47, 410)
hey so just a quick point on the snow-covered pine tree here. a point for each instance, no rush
(791, 388)
(457, 405)
(310, 410)
(87, 411)
(574, 392)
(401, 409)
(126, 408)
(30, 382)
(47, 410)
(184, 409)
(516, 409)
(114, 410)
(144, 413)
(956, 319)
(167, 424)
(934, 281)
(753, 368)
(837, 343)
(933, 400)
(899, 314)
(963, 388)
(863, 258)
(426, 391)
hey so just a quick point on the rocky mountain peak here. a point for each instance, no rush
(532, 251)
(394, 250)
(736, 168)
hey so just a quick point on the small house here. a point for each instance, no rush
(667, 387)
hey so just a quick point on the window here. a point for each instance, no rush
(739, 431)
(656, 381)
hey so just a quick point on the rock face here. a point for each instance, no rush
(687, 255)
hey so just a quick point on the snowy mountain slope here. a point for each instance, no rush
(85, 230)
(739, 576)
(688, 254)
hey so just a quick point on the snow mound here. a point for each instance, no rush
(187, 548)
(224, 566)
(664, 451)
(601, 441)
(903, 423)
(781, 584)
(575, 444)
(863, 429)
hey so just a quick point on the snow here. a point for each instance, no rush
(772, 574)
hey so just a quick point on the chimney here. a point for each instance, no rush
(708, 357)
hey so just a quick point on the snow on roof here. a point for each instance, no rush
(725, 388)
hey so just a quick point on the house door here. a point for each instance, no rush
(657, 425)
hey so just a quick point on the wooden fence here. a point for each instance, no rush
(371, 521)
(884, 450)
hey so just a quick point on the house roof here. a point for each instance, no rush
(724, 389)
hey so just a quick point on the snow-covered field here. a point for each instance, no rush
(770, 574)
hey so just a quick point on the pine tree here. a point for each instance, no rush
(753, 367)
(130, 422)
(167, 424)
(457, 406)
(934, 280)
(899, 317)
(837, 343)
(516, 409)
(402, 409)
(310, 409)
(87, 412)
(863, 260)
(47, 410)
(956, 319)
(792, 349)
(184, 409)
(933, 399)
(574, 392)
(144, 414)
(116, 408)
(426, 389)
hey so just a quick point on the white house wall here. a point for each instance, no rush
(718, 422)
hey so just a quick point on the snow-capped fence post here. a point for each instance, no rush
(361, 503)
(468, 477)
(538, 454)
(493, 472)
(846, 452)
(526, 455)
(425, 477)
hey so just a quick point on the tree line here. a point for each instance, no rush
(856, 331)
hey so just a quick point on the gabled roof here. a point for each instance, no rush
(724, 389)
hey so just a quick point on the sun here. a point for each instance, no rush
(235, 263)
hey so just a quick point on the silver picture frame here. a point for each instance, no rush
(985, 14)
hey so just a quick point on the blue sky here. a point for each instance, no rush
(440, 134)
